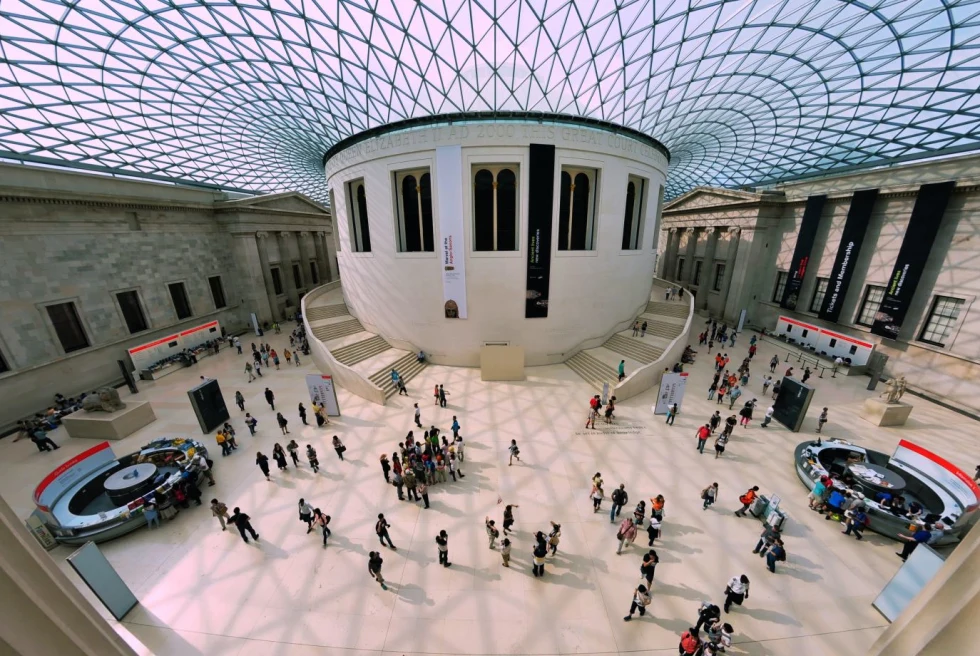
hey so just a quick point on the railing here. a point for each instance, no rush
(343, 375)
(795, 354)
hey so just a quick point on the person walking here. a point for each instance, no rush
(806, 374)
(636, 328)
(737, 591)
(766, 539)
(251, 422)
(671, 413)
(293, 449)
(302, 414)
(857, 521)
(306, 514)
(643, 329)
(720, 442)
(220, 511)
(554, 538)
(442, 397)
(270, 398)
(626, 534)
(641, 599)
(381, 528)
(339, 447)
(649, 566)
(622, 369)
(263, 462)
(702, 434)
(746, 413)
(509, 517)
(288, 355)
(709, 495)
(773, 364)
(730, 425)
(714, 421)
(640, 513)
(279, 455)
(399, 483)
(283, 422)
(322, 522)
(821, 420)
(385, 467)
(240, 401)
(514, 453)
(455, 430)
(238, 344)
(733, 396)
(374, 568)
(712, 389)
(776, 553)
(505, 552)
(442, 542)
(766, 382)
(311, 457)
(708, 614)
(423, 491)
(768, 418)
(248, 372)
(619, 499)
(243, 524)
(722, 391)
(418, 416)
(492, 532)
(597, 495)
(538, 555)
(747, 499)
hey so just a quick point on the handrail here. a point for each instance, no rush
(802, 358)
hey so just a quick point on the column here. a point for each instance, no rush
(692, 246)
(332, 264)
(750, 258)
(261, 239)
(321, 257)
(670, 255)
(304, 260)
(729, 268)
(707, 270)
(942, 618)
(286, 270)
(43, 612)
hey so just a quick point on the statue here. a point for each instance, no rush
(104, 399)
(894, 389)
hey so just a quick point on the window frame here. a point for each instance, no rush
(187, 299)
(221, 288)
(638, 220)
(297, 271)
(56, 337)
(816, 302)
(593, 171)
(397, 177)
(139, 303)
(314, 273)
(698, 268)
(275, 273)
(718, 280)
(358, 238)
(5, 366)
(951, 327)
(779, 288)
(864, 302)
(495, 168)
(679, 269)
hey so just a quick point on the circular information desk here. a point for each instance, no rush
(129, 482)
(877, 478)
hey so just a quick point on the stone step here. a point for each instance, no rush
(661, 329)
(358, 351)
(407, 366)
(675, 309)
(335, 330)
(592, 370)
(317, 313)
(633, 348)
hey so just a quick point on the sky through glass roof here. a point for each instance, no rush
(250, 94)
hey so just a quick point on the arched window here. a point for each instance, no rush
(414, 211)
(635, 210)
(357, 219)
(576, 209)
(495, 208)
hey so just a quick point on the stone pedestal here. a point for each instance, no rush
(110, 426)
(882, 413)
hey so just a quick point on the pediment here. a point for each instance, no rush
(710, 197)
(289, 201)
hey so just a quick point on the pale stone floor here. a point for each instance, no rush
(203, 591)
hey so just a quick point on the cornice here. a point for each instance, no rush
(101, 203)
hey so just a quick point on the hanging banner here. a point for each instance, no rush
(858, 215)
(801, 254)
(927, 214)
(449, 176)
(671, 391)
(323, 392)
(540, 178)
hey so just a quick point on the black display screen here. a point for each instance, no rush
(792, 403)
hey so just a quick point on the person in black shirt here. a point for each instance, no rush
(442, 541)
(242, 523)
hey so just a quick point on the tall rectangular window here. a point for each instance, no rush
(636, 193)
(4, 367)
(719, 277)
(217, 292)
(132, 311)
(495, 207)
(942, 318)
(697, 273)
(777, 293)
(680, 269)
(357, 216)
(297, 277)
(576, 208)
(276, 280)
(314, 274)
(413, 211)
(67, 326)
(873, 296)
(178, 294)
(818, 293)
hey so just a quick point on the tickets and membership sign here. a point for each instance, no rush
(323, 392)
(671, 392)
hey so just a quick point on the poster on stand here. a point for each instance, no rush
(323, 392)
(449, 172)
(671, 392)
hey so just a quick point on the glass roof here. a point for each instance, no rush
(250, 94)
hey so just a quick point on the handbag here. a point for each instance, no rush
(342, 448)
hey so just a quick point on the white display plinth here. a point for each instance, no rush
(110, 426)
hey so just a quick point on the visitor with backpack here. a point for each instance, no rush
(709, 495)
(747, 499)
(641, 599)
(619, 499)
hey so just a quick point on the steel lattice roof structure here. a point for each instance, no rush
(249, 94)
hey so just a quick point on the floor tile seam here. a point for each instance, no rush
(269, 642)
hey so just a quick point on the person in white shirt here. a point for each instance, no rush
(768, 417)
(737, 591)
(199, 464)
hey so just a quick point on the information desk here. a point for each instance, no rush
(876, 477)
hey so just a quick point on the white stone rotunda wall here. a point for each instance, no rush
(400, 295)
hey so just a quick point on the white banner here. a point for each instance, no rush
(322, 392)
(671, 392)
(449, 185)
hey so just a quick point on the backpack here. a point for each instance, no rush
(745, 498)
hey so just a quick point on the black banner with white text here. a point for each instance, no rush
(541, 178)
(851, 239)
(801, 254)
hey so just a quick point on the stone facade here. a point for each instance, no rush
(761, 228)
(69, 237)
